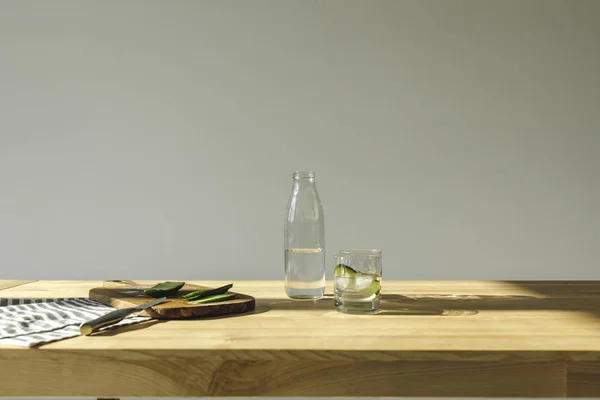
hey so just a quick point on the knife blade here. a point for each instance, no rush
(87, 328)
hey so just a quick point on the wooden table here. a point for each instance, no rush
(434, 338)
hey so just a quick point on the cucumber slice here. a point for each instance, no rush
(372, 290)
(214, 299)
(342, 270)
(200, 294)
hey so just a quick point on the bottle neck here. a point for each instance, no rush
(304, 182)
(304, 178)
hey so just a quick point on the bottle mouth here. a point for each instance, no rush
(303, 174)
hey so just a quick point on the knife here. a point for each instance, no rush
(115, 316)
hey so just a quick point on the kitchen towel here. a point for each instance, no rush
(32, 322)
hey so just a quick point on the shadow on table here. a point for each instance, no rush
(541, 295)
(550, 297)
(392, 304)
(128, 328)
(577, 295)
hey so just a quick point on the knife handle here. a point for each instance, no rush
(111, 318)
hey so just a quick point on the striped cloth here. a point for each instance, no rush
(32, 322)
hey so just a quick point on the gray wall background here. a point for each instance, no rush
(156, 139)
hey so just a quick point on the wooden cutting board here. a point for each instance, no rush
(124, 294)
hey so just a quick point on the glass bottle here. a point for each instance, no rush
(304, 240)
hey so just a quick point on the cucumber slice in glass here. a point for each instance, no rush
(342, 271)
(371, 290)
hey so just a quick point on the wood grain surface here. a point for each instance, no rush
(463, 338)
(125, 294)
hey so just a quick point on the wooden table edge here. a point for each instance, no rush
(82, 374)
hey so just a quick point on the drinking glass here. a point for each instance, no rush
(357, 281)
